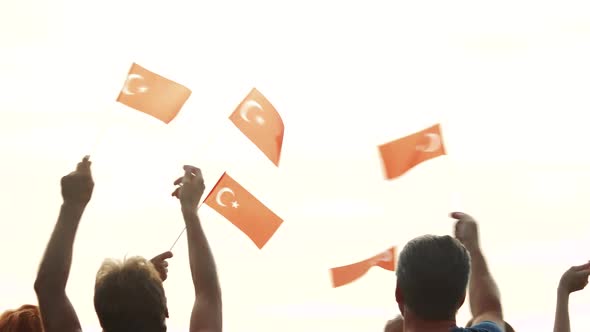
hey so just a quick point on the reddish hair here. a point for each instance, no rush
(24, 319)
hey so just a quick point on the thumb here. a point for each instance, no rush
(163, 256)
(459, 228)
(582, 267)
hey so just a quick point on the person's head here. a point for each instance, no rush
(129, 296)
(24, 319)
(432, 275)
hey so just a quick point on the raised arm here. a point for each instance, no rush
(574, 279)
(57, 312)
(207, 310)
(484, 295)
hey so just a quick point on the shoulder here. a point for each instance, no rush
(485, 326)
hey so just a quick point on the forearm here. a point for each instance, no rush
(55, 266)
(484, 295)
(203, 270)
(562, 318)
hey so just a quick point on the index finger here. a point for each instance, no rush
(582, 267)
(189, 172)
(461, 216)
(84, 165)
(191, 169)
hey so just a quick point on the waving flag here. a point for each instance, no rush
(346, 274)
(243, 210)
(403, 154)
(256, 118)
(153, 94)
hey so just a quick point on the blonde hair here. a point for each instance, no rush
(129, 296)
(24, 319)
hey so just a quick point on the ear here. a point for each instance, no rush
(399, 298)
(462, 301)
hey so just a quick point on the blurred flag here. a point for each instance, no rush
(256, 118)
(153, 94)
(243, 210)
(346, 274)
(403, 154)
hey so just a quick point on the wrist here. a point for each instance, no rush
(473, 248)
(188, 208)
(562, 290)
(73, 206)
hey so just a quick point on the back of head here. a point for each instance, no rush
(24, 319)
(129, 296)
(432, 275)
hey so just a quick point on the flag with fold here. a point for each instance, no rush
(256, 118)
(153, 94)
(242, 209)
(403, 154)
(346, 274)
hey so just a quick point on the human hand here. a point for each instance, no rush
(466, 230)
(161, 264)
(395, 325)
(77, 187)
(575, 279)
(191, 187)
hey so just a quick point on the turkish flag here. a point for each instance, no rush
(153, 94)
(243, 210)
(256, 118)
(346, 274)
(403, 154)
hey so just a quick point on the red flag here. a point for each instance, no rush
(243, 210)
(256, 118)
(346, 274)
(403, 154)
(153, 94)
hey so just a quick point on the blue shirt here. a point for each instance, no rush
(486, 326)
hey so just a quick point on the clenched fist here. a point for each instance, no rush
(466, 230)
(76, 187)
(575, 279)
(191, 187)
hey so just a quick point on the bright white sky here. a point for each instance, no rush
(507, 80)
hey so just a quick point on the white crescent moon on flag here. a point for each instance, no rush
(434, 143)
(245, 109)
(386, 257)
(220, 193)
(131, 78)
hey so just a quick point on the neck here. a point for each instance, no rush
(415, 324)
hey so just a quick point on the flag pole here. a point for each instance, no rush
(99, 137)
(456, 200)
(178, 238)
(102, 133)
(198, 207)
(184, 229)
(208, 147)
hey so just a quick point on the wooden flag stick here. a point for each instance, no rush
(184, 229)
